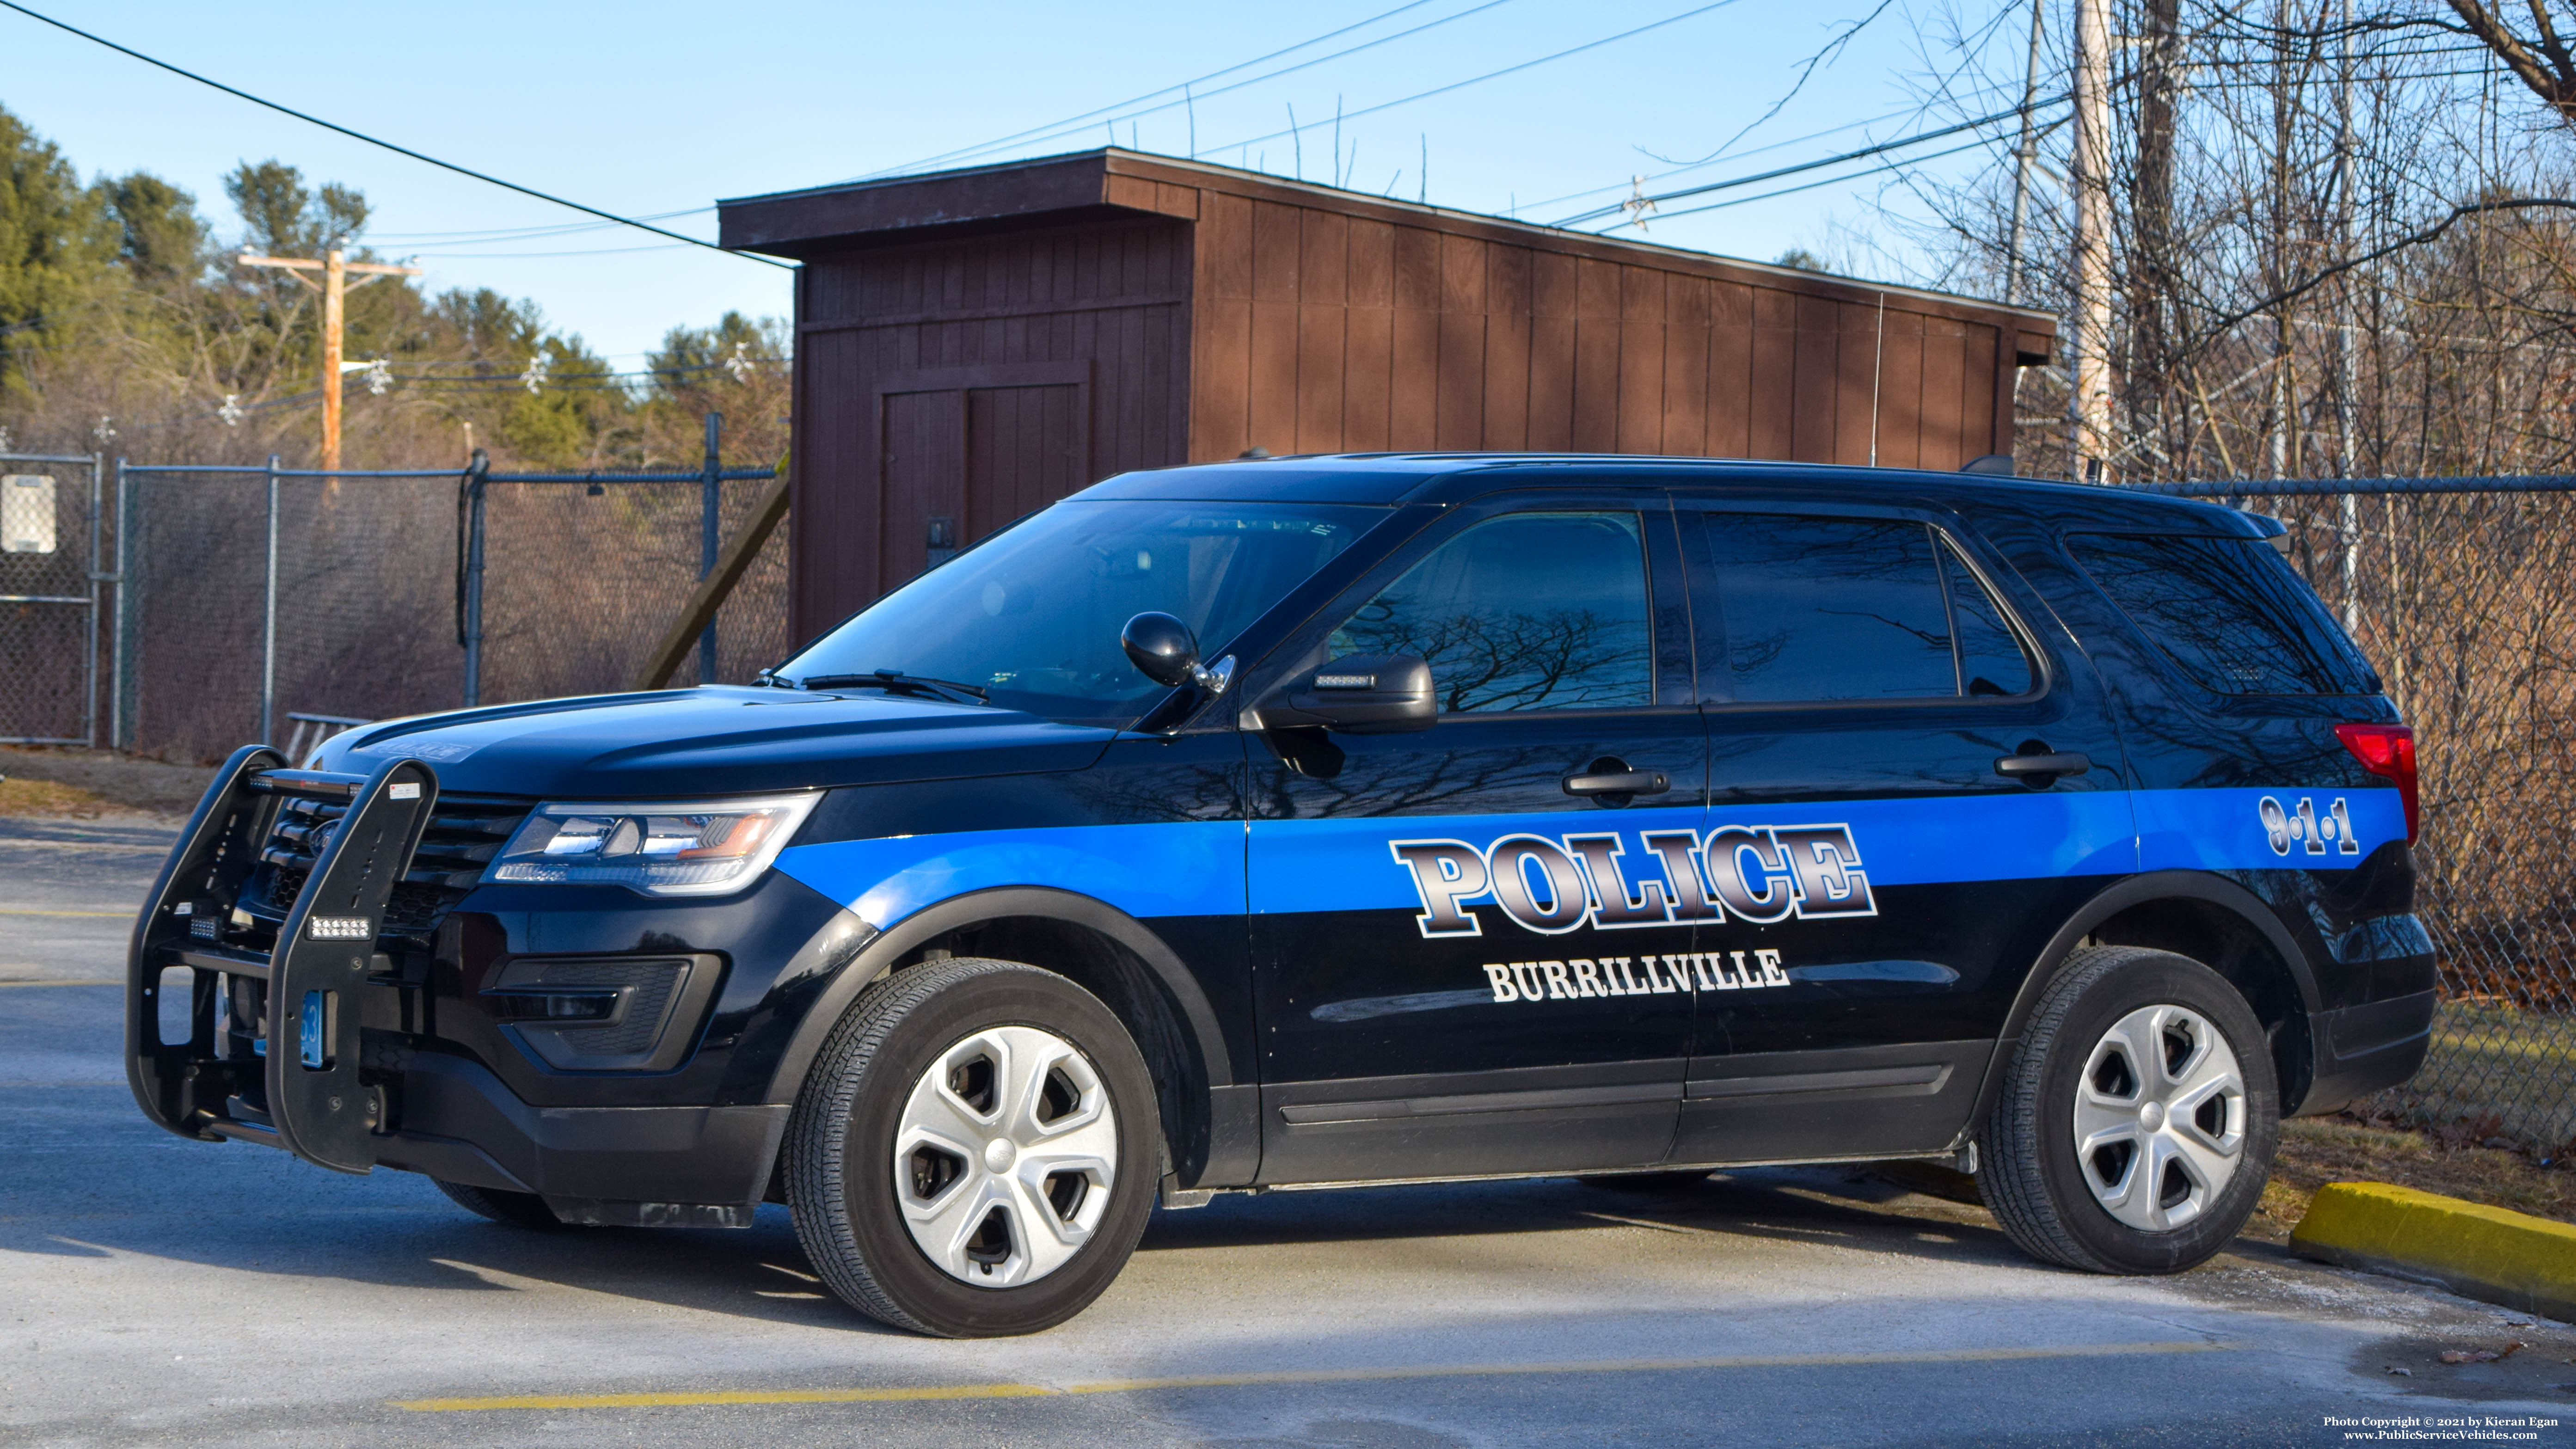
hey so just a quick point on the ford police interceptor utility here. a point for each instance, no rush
(1311, 821)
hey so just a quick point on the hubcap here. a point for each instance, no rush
(2160, 1118)
(1005, 1156)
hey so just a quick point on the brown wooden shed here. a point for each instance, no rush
(974, 344)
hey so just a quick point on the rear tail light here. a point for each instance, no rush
(2388, 750)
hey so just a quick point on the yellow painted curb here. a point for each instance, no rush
(2487, 1253)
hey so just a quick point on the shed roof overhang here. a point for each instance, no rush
(1113, 183)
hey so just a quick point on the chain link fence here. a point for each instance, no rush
(580, 575)
(49, 598)
(2463, 593)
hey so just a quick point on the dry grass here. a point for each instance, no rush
(46, 799)
(2319, 1150)
(40, 780)
(2497, 1070)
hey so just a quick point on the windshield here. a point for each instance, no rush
(1031, 616)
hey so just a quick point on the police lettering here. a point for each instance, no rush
(1757, 874)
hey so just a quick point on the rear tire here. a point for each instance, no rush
(975, 1151)
(2138, 1116)
(518, 1209)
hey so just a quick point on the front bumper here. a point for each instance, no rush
(607, 1053)
(633, 1166)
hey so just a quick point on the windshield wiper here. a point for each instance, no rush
(895, 681)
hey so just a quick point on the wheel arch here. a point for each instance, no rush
(2205, 917)
(1101, 948)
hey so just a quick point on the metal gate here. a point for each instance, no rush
(49, 588)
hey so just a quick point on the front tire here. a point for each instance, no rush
(974, 1152)
(2138, 1116)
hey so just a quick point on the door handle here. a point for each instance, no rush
(2023, 766)
(1619, 782)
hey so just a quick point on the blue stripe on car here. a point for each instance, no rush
(1197, 868)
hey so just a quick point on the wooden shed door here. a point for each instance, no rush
(1026, 447)
(963, 451)
(925, 479)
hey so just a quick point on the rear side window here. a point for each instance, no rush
(2229, 611)
(1991, 659)
(1831, 609)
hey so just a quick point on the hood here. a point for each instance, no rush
(715, 740)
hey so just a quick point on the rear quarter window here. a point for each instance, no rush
(2229, 611)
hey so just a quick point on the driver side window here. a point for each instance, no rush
(1523, 612)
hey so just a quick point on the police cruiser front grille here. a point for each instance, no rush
(462, 837)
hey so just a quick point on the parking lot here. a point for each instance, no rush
(155, 1291)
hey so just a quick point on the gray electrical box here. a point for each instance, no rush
(26, 513)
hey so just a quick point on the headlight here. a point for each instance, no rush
(662, 848)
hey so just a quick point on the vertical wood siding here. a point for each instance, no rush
(1317, 331)
(925, 390)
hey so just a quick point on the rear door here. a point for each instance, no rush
(1872, 675)
(1471, 958)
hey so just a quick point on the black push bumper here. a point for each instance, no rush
(301, 1035)
(274, 1050)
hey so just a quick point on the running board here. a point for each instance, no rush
(312, 978)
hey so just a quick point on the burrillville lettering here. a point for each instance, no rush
(1610, 975)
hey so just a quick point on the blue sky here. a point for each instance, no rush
(648, 108)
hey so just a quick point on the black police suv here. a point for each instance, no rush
(1311, 821)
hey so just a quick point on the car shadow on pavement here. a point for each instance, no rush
(397, 1233)
(1824, 1206)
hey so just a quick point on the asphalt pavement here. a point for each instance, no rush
(155, 1291)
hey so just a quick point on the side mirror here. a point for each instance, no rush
(1160, 647)
(1364, 694)
(1164, 651)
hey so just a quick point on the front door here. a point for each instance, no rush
(1470, 954)
(1888, 860)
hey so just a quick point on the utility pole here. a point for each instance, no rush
(2023, 156)
(2344, 382)
(335, 268)
(2089, 401)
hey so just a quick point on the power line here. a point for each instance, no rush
(1057, 127)
(1812, 185)
(1807, 184)
(1757, 178)
(1731, 156)
(387, 145)
(1481, 79)
(522, 233)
